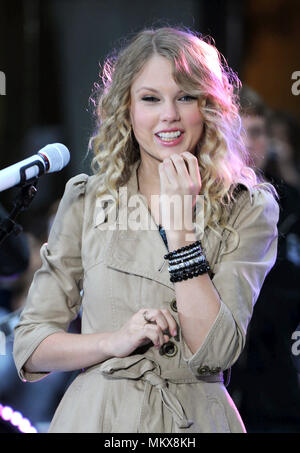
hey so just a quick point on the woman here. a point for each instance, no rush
(155, 338)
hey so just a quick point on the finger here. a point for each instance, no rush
(193, 166)
(171, 322)
(158, 316)
(149, 315)
(180, 166)
(169, 170)
(154, 333)
(163, 336)
(161, 321)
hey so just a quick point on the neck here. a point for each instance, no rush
(149, 186)
(148, 177)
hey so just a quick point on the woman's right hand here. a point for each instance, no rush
(138, 332)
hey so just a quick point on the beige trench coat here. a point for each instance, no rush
(114, 273)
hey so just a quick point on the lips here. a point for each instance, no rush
(170, 130)
(169, 134)
(168, 139)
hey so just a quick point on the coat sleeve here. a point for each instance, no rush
(54, 296)
(238, 277)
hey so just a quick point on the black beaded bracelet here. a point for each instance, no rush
(189, 266)
(179, 276)
(182, 249)
(188, 258)
(186, 255)
(202, 266)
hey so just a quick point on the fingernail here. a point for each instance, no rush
(174, 333)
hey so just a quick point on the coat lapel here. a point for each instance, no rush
(140, 252)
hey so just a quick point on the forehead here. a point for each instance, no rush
(157, 73)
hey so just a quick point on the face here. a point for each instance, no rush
(256, 139)
(165, 120)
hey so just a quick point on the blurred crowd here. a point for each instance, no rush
(265, 382)
(36, 402)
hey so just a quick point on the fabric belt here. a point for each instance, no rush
(147, 370)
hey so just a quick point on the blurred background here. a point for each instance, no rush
(50, 54)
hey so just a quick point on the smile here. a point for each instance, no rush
(170, 138)
(169, 135)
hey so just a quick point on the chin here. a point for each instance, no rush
(161, 154)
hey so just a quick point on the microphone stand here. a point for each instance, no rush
(24, 198)
(22, 202)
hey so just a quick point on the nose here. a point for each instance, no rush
(170, 112)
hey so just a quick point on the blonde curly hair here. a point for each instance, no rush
(199, 70)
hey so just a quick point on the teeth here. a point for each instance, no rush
(169, 135)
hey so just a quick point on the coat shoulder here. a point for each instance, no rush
(81, 185)
(261, 197)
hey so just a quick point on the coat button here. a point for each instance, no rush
(216, 370)
(173, 305)
(168, 349)
(203, 370)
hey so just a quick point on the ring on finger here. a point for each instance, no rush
(146, 317)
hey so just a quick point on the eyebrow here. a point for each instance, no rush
(154, 90)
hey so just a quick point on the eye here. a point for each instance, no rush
(188, 98)
(150, 99)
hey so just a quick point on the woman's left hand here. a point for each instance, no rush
(180, 183)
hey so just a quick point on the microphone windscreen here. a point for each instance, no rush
(58, 156)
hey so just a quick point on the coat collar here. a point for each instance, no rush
(140, 252)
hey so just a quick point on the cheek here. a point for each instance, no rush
(195, 119)
(143, 122)
(196, 122)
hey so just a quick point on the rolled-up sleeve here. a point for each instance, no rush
(238, 277)
(54, 296)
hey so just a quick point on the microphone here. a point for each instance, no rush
(51, 158)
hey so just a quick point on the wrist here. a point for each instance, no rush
(187, 262)
(180, 238)
(105, 345)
